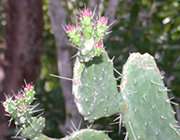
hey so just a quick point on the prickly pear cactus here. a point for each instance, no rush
(95, 91)
(94, 85)
(149, 115)
(21, 110)
(87, 134)
(143, 101)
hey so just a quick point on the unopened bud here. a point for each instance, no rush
(86, 13)
(102, 21)
(73, 34)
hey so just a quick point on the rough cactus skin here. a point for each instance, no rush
(87, 134)
(149, 115)
(34, 130)
(94, 97)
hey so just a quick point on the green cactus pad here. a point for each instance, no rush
(84, 134)
(87, 134)
(149, 115)
(96, 92)
(34, 130)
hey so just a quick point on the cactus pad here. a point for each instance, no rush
(35, 129)
(96, 92)
(149, 115)
(87, 134)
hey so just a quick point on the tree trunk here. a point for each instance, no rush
(24, 43)
(58, 17)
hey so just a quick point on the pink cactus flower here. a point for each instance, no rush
(86, 13)
(69, 28)
(102, 20)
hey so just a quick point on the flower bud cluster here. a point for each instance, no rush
(19, 105)
(88, 34)
(20, 109)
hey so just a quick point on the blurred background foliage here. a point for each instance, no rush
(151, 26)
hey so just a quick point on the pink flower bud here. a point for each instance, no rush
(99, 44)
(28, 87)
(102, 20)
(70, 28)
(86, 13)
(19, 96)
